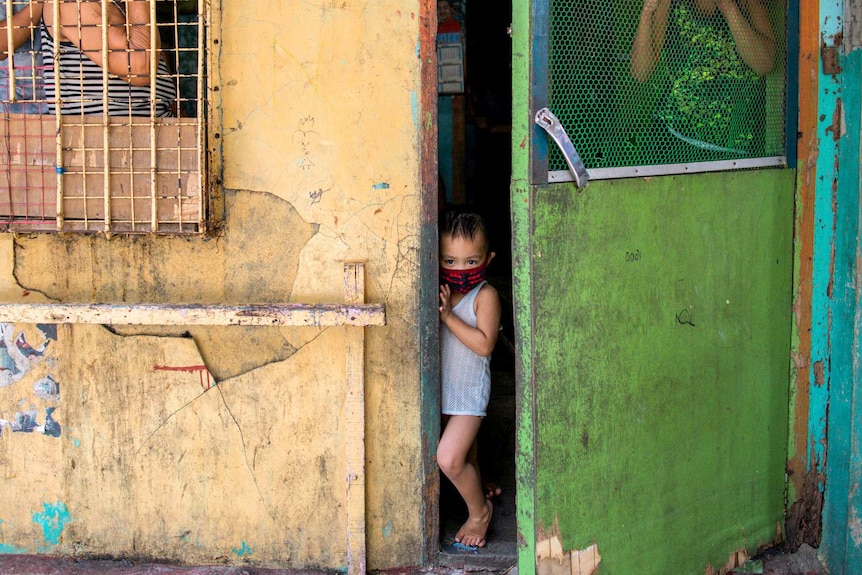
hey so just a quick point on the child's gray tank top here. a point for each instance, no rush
(465, 375)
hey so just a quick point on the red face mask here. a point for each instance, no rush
(462, 281)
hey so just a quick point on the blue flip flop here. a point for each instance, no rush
(457, 547)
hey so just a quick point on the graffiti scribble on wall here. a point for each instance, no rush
(29, 390)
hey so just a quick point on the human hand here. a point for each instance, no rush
(650, 6)
(445, 303)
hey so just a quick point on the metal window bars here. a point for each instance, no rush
(85, 149)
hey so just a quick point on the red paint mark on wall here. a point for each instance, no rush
(202, 371)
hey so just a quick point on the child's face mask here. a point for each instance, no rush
(462, 281)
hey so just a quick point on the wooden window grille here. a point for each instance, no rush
(96, 157)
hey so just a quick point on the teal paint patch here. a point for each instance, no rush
(414, 108)
(7, 549)
(825, 224)
(243, 551)
(387, 529)
(76, 442)
(381, 186)
(841, 543)
(53, 520)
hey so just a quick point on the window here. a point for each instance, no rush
(668, 86)
(96, 146)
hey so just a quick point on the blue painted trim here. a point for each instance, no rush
(843, 501)
(791, 126)
(540, 30)
(829, 89)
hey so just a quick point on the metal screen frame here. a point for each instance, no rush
(539, 85)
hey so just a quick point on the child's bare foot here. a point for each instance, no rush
(473, 531)
(492, 490)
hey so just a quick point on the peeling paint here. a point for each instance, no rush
(805, 516)
(242, 551)
(551, 559)
(838, 126)
(819, 376)
(855, 527)
(53, 520)
(7, 549)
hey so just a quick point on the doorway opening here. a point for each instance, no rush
(474, 154)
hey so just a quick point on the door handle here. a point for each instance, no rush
(549, 122)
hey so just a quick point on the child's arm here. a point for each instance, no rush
(128, 36)
(482, 338)
(24, 23)
(649, 38)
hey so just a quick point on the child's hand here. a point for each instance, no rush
(445, 305)
(650, 6)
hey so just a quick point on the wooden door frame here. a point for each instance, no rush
(837, 199)
(429, 338)
(525, 138)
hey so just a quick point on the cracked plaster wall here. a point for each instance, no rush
(243, 461)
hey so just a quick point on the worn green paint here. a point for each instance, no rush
(521, 289)
(525, 463)
(662, 326)
(653, 322)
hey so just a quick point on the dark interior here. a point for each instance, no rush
(487, 169)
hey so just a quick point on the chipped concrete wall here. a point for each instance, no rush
(226, 444)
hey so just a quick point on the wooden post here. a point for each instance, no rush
(354, 293)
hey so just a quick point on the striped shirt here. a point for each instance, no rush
(81, 82)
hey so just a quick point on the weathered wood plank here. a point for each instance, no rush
(289, 314)
(354, 294)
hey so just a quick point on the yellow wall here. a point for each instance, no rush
(243, 460)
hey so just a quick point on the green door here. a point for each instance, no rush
(653, 319)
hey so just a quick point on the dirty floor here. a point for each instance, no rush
(802, 562)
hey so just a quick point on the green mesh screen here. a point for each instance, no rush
(648, 82)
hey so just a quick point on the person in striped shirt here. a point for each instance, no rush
(85, 72)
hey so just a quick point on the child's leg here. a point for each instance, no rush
(452, 456)
(492, 490)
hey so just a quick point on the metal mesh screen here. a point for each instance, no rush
(99, 131)
(668, 82)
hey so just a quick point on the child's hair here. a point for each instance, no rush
(463, 224)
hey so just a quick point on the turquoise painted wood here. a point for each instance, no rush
(829, 90)
(837, 259)
(653, 322)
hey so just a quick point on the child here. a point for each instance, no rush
(470, 320)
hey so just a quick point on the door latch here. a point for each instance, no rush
(549, 122)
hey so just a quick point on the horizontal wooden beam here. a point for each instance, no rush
(288, 314)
